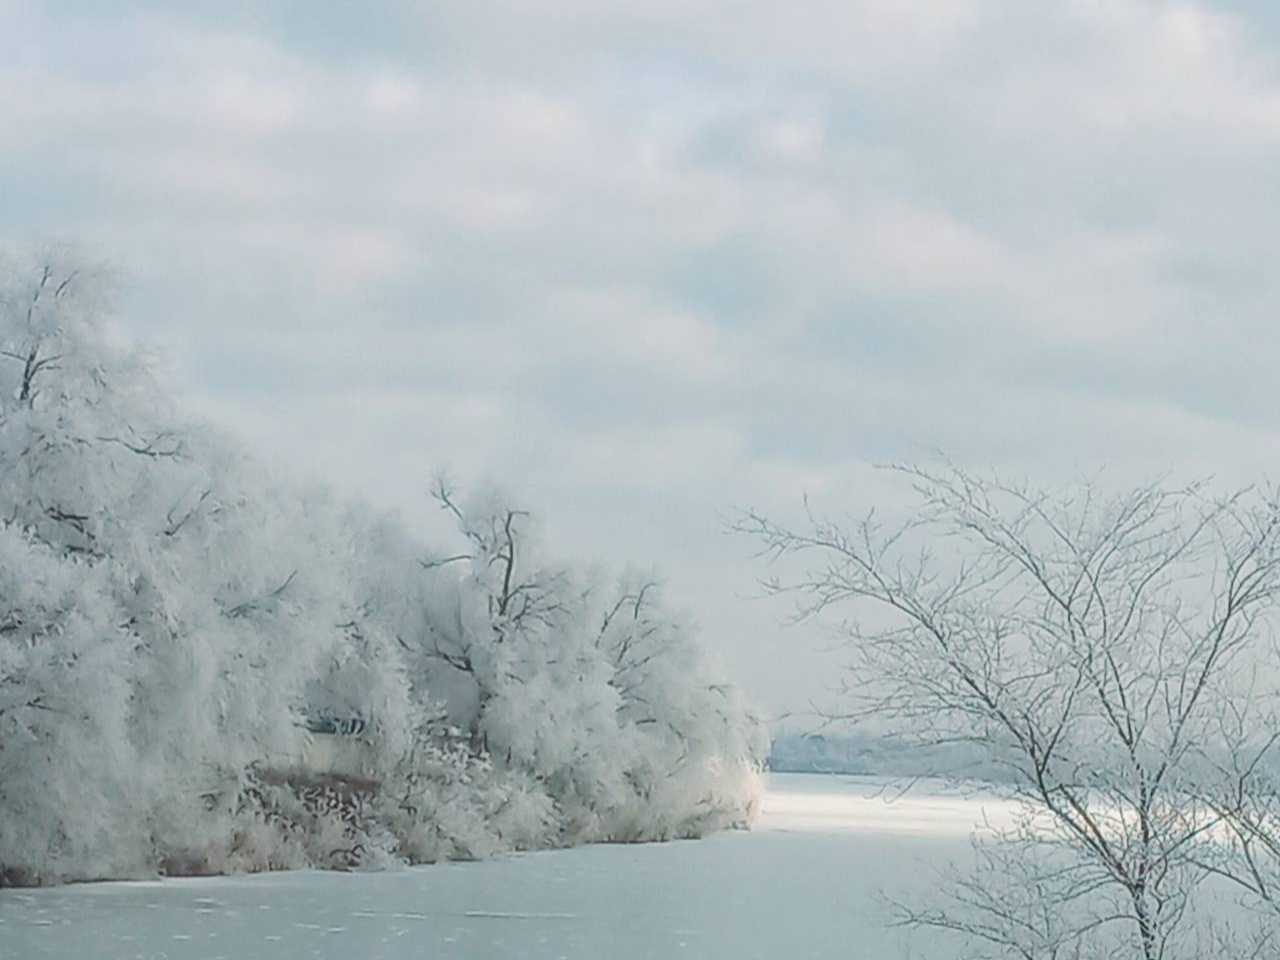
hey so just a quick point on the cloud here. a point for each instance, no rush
(643, 263)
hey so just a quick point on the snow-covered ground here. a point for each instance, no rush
(804, 883)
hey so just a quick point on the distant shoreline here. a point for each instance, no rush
(867, 755)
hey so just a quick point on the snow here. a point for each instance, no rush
(805, 883)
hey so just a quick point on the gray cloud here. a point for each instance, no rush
(645, 263)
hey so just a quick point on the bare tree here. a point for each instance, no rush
(517, 597)
(1094, 647)
(1245, 796)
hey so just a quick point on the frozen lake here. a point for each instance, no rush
(804, 883)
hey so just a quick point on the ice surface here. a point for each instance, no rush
(803, 884)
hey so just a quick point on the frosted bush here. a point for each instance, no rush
(174, 619)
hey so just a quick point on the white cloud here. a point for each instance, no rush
(647, 262)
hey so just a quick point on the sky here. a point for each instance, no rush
(642, 264)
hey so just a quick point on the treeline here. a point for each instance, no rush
(883, 756)
(178, 628)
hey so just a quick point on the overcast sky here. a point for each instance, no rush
(644, 262)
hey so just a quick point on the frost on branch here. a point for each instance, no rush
(205, 669)
(1112, 656)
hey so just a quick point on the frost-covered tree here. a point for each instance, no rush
(173, 594)
(1111, 655)
(180, 631)
(635, 737)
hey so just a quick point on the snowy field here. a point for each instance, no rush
(804, 883)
